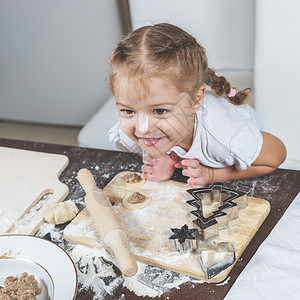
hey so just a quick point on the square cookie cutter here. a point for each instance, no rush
(229, 202)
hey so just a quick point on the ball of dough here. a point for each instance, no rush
(136, 200)
(61, 212)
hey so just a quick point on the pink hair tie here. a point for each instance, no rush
(232, 93)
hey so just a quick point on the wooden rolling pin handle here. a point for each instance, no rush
(86, 180)
(107, 224)
(116, 240)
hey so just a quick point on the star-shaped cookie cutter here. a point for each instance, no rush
(230, 201)
(184, 239)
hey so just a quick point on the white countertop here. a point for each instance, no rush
(274, 270)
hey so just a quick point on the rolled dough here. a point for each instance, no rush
(138, 205)
(129, 185)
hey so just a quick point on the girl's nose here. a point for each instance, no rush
(143, 124)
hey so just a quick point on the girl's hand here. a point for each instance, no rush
(160, 168)
(199, 174)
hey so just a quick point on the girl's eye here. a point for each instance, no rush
(160, 111)
(127, 111)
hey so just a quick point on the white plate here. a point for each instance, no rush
(16, 266)
(51, 265)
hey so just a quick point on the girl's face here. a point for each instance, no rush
(161, 121)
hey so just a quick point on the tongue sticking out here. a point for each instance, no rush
(150, 142)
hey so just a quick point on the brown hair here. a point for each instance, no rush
(165, 50)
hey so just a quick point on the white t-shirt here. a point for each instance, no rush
(224, 135)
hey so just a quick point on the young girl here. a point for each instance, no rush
(159, 76)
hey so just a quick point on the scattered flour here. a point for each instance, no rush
(25, 224)
(81, 229)
(56, 234)
(93, 268)
(139, 288)
(224, 282)
(7, 218)
(106, 176)
(96, 272)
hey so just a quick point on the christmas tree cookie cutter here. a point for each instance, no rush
(229, 202)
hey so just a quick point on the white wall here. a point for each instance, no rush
(225, 28)
(277, 69)
(54, 58)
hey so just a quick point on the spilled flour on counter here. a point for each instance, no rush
(224, 282)
(7, 218)
(97, 271)
(24, 224)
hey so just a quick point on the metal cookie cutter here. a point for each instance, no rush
(218, 193)
(208, 227)
(184, 239)
(215, 257)
(228, 201)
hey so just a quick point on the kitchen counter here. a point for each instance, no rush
(280, 188)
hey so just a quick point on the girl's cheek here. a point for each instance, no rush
(122, 123)
(172, 128)
(127, 125)
(161, 124)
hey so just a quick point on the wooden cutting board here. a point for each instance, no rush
(25, 177)
(149, 228)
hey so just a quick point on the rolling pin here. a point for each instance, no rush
(107, 224)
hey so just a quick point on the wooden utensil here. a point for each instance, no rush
(25, 177)
(107, 224)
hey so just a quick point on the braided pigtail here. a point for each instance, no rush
(222, 87)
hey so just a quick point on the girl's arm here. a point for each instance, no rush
(272, 154)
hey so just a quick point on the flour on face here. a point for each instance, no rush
(143, 122)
